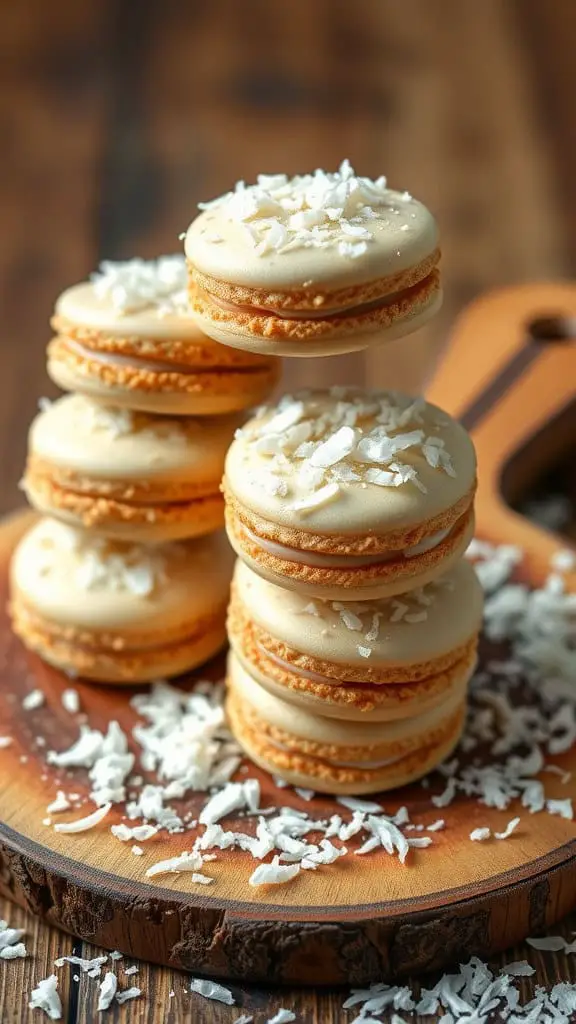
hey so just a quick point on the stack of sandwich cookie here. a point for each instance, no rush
(118, 612)
(354, 620)
(113, 586)
(313, 265)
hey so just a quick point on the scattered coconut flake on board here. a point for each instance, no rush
(45, 997)
(11, 946)
(244, 1018)
(274, 873)
(478, 835)
(34, 699)
(173, 866)
(211, 990)
(282, 1016)
(510, 828)
(128, 994)
(108, 987)
(548, 943)
(84, 824)
(5, 741)
(60, 804)
(71, 701)
(518, 969)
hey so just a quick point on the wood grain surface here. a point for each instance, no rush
(115, 124)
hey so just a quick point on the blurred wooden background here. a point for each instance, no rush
(117, 117)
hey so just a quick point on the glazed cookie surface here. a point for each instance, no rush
(119, 612)
(126, 338)
(348, 494)
(127, 474)
(313, 265)
(310, 750)
(382, 660)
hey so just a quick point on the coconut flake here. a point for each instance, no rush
(33, 700)
(128, 994)
(134, 285)
(71, 701)
(479, 835)
(274, 873)
(45, 997)
(108, 987)
(510, 828)
(282, 1016)
(84, 824)
(211, 990)
(174, 865)
(5, 741)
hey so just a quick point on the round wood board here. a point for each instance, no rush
(363, 918)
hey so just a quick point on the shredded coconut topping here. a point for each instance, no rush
(315, 444)
(320, 210)
(134, 285)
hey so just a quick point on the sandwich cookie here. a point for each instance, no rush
(119, 613)
(129, 475)
(126, 338)
(350, 495)
(313, 265)
(325, 754)
(359, 661)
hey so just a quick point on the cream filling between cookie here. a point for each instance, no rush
(344, 561)
(155, 365)
(320, 312)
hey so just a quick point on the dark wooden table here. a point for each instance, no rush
(116, 118)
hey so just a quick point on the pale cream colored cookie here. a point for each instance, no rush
(126, 338)
(324, 754)
(129, 475)
(115, 612)
(313, 265)
(365, 661)
(350, 495)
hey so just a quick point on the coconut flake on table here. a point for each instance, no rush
(282, 1016)
(510, 828)
(11, 946)
(211, 990)
(60, 804)
(356, 439)
(5, 741)
(128, 994)
(45, 997)
(131, 286)
(86, 823)
(33, 700)
(139, 832)
(108, 987)
(185, 862)
(70, 700)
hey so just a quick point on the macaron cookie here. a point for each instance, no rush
(345, 494)
(126, 338)
(119, 613)
(363, 661)
(317, 264)
(130, 475)
(332, 756)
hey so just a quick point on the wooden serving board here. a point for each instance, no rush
(364, 918)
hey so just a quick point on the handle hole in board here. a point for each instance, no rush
(551, 329)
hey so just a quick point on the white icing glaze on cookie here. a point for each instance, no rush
(416, 627)
(329, 230)
(111, 443)
(349, 461)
